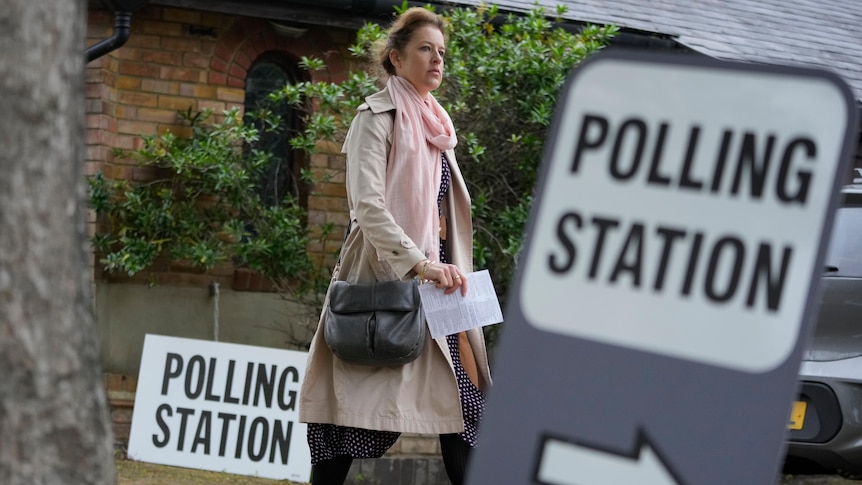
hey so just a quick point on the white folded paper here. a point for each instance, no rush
(453, 313)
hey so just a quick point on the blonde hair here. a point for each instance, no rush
(402, 30)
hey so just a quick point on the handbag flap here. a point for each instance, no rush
(383, 295)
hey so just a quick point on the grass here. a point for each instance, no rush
(139, 473)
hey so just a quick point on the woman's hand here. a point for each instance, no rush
(446, 276)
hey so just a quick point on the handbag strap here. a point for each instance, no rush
(346, 234)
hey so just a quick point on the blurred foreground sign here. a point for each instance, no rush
(669, 275)
(220, 407)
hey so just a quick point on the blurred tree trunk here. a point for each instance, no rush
(54, 424)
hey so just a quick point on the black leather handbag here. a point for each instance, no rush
(376, 324)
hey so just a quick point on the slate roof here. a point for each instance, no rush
(814, 33)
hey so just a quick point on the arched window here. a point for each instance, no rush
(281, 178)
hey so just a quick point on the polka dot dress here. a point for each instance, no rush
(329, 440)
(472, 399)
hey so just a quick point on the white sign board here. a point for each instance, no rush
(699, 218)
(220, 407)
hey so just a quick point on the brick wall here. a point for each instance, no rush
(121, 395)
(179, 59)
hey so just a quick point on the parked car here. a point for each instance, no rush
(825, 426)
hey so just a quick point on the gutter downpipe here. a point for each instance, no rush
(122, 30)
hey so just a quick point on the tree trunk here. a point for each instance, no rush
(54, 423)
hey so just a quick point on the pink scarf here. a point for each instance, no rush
(422, 130)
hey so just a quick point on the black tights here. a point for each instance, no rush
(454, 450)
(332, 471)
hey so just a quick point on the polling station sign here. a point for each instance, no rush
(669, 274)
(220, 407)
(700, 214)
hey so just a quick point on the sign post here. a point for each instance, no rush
(669, 274)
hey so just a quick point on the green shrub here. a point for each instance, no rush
(503, 78)
(202, 206)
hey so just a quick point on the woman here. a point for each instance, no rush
(410, 217)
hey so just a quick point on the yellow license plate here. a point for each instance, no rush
(797, 415)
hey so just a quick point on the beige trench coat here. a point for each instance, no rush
(422, 396)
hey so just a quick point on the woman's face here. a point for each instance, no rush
(421, 60)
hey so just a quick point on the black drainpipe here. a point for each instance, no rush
(122, 27)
